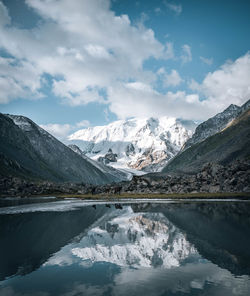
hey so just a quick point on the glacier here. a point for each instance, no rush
(139, 144)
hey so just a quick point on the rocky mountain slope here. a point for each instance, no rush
(212, 178)
(28, 151)
(108, 170)
(224, 147)
(215, 124)
(141, 144)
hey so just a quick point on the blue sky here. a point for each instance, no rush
(69, 64)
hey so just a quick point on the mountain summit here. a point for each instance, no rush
(141, 144)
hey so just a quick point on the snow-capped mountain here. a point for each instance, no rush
(216, 123)
(141, 144)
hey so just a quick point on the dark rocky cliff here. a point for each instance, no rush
(28, 151)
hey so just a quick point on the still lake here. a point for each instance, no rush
(52, 247)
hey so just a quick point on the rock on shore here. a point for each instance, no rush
(213, 178)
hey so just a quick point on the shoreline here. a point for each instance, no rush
(135, 196)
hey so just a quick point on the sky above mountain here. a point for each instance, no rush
(68, 64)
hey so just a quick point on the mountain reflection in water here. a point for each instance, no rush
(197, 248)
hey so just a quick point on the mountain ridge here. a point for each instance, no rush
(224, 147)
(38, 155)
(215, 124)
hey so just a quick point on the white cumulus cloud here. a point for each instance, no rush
(228, 85)
(169, 79)
(60, 131)
(126, 101)
(86, 48)
(172, 79)
(18, 79)
(82, 45)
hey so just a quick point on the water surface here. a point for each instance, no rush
(74, 248)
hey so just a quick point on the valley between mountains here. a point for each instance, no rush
(135, 156)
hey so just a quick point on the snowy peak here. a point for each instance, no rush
(133, 130)
(138, 143)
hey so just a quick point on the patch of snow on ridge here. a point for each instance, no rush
(21, 122)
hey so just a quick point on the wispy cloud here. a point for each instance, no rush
(169, 51)
(186, 54)
(176, 8)
(106, 114)
(157, 10)
(83, 123)
(208, 61)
